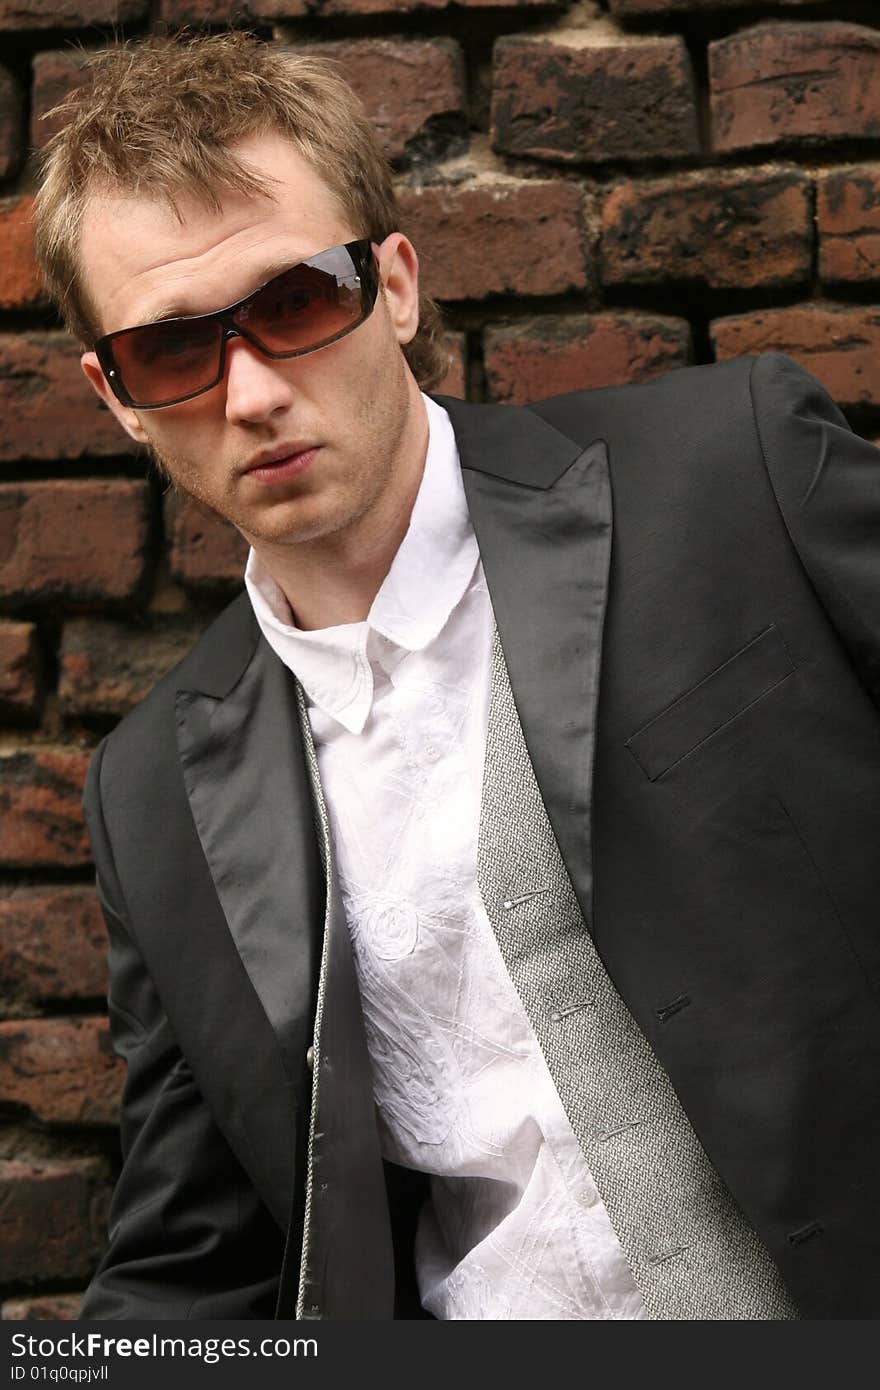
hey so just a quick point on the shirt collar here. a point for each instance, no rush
(428, 576)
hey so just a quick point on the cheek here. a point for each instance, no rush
(178, 467)
(186, 436)
(382, 377)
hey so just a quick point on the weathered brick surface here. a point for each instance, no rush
(738, 229)
(848, 218)
(594, 96)
(41, 822)
(108, 667)
(548, 355)
(68, 14)
(204, 551)
(228, 11)
(53, 1217)
(19, 280)
(59, 1307)
(20, 671)
(355, 8)
(75, 539)
(56, 73)
(64, 1071)
(51, 410)
(53, 944)
(454, 226)
(222, 11)
(662, 7)
(839, 344)
(403, 83)
(787, 82)
(11, 123)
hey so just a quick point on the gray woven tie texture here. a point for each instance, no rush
(692, 1252)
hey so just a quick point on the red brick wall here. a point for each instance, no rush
(599, 193)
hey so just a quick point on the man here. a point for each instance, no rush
(448, 980)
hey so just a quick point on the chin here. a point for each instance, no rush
(300, 525)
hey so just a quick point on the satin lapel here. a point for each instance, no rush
(540, 504)
(242, 758)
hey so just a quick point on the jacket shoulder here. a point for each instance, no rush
(696, 390)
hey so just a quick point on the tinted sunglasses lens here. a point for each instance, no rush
(304, 307)
(162, 362)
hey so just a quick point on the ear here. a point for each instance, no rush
(399, 275)
(127, 417)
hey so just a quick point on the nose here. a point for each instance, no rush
(256, 387)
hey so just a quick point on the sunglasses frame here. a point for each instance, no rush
(366, 271)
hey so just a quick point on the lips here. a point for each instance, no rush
(281, 464)
(269, 458)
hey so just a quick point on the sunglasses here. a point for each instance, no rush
(304, 308)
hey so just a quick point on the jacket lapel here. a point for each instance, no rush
(540, 504)
(241, 751)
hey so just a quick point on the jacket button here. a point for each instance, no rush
(310, 1059)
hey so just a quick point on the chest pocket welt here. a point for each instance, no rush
(729, 690)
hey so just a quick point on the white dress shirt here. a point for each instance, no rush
(398, 706)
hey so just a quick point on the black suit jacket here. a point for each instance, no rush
(723, 847)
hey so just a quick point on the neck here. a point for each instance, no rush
(333, 579)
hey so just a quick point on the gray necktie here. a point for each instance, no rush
(692, 1252)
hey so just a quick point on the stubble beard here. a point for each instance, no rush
(158, 463)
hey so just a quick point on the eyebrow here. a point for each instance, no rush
(172, 310)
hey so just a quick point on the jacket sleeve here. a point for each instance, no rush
(188, 1236)
(827, 484)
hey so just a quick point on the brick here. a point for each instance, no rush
(68, 14)
(21, 682)
(108, 667)
(662, 7)
(198, 12)
(53, 1217)
(731, 230)
(41, 822)
(63, 1071)
(53, 944)
(550, 355)
(325, 9)
(453, 226)
(11, 123)
(405, 85)
(75, 539)
(782, 83)
(57, 1307)
(20, 286)
(205, 551)
(225, 11)
(593, 95)
(56, 73)
(57, 415)
(848, 219)
(839, 344)
(454, 383)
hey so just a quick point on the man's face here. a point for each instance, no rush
(351, 410)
